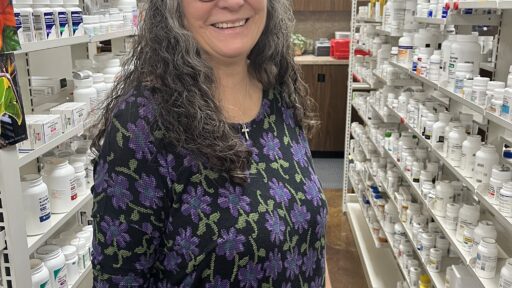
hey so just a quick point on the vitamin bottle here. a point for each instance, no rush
(465, 49)
(444, 195)
(452, 125)
(505, 200)
(60, 178)
(485, 229)
(36, 204)
(479, 90)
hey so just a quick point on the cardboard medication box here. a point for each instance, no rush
(72, 114)
(41, 130)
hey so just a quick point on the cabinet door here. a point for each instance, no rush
(328, 87)
(342, 5)
(312, 5)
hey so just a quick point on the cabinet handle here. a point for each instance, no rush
(320, 77)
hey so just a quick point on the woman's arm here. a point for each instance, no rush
(129, 199)
(327, 278)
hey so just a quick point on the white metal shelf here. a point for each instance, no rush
(458, 19)
(82, 276)
(376, 262)
(25, 158)
(458, 98)
(395, 82)
(57, 220)
(367, 20)
(507, 124)
(478, 4)
(505, 4)
(63, 42)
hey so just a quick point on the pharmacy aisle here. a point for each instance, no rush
(431, 154)
(58, 77)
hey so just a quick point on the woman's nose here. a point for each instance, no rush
(230, 4)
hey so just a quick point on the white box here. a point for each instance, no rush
(41, 130)
(72, 114)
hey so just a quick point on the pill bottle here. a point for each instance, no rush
(427, 241)
(456, 137)
(445, 48)
(84, 92)
(425, 281)
(470, 147)
(496, 102)
(86, 235)
(434, 68)
(83, 254)
(465, 49)
(464, 71)
(60, 178)
(40, 274)
(36, 204)
(479, 90)
(91, 24)
(432, 119)
(505, 200)
(484, 229)
(443, 196)
(438, 130)
(101, 88)
(61, 18)
(452, 215)
(507, 102)
(500, 174)
(405, 49)
(467, 92)
(469, 215)
(81, 180)
(467, 121)
(485, 159)
(468, 240)
(487, 258)
(44, 21)
(55, 261)
(491, 88)
(443, 243)
(23, 14)
(452, 125)
(436, 256)
(70, 254)
(506, 275)
(75, 20)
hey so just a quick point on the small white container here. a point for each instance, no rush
(83, 253)
(101, 88)
(465, 49)
(479, 90)
(496, 102)
(434, 70)
(506, 275)
(487, 258)
(464, 71)
(55, 261)
(447, 131)
(36, 204)
(485, 229)
(438, 129)
(86, 235)
(435, 261)
(444, 195)
(70, 254)
(456, 138)
(443, 243)
(81, 180)
(469, 215)
(505, 200)
(112, 67)
(491, 88)
(92, 26)
(40, 274)
(405, 50)
(485, 159)
(84, 92)
(452, 215)
(469, 149)
(61, 181)
(499, 176)
(467, 92)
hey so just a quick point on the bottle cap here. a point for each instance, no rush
(481, 81)
(98, 77)
(464, 67)
(492, 85)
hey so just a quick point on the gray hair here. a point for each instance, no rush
(166, 58)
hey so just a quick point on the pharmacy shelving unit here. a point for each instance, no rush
(34, 59)
(497, 130)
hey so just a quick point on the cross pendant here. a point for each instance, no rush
(245, 130)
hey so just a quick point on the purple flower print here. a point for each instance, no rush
(100, 177)
(286, 285)
(232, 197)
(321, 220)
(274, 265)
(271, 146)
(309, 262)
(148, 228)
(289, 117)
(299, 154)
(264, 110)
(165, 284)
(292, 263)
(275, 226)
(118, 190)
(312, 192)
(280, 193)
(116, 231)
(128, 281)
(230, 243)
(189, 160)
(149, 194)
(250, 275)
(145, 108)
(167, 163)
(218, 283)
(317, 283)
(101, 284)
(300, 217)
(253, 149)
(195, 202)
(186, 243)
(96, 255)
(145, 262)
(140, 140)
(171, 261)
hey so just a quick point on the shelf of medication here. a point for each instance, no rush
(69, 41)
(386, 33)
(395, 82)
(367, 20)
(492, 206)
(25, 158)
(450, 235)
(82, 276)
(361, 87)
(57, 220)
(485, 4)
(459, 19)
(375, 261)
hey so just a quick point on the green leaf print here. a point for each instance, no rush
(214, 217)
(262, 208)
(241, 221)
(244, 261)
(119, 139)
(178, 188)
(135, 215)
(262, 252)
(254, 216)
(110, 250)
(125, 253)
(133, 164)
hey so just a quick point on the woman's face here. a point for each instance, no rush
(225, 29)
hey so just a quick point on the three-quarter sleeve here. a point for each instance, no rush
(130, 192)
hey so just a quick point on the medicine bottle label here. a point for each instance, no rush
(63, 24)
(60, 277)
(44, 209)
(76, 23)
(45, 284)
(404, 54)
(455, 153)
(73, 188)
(486, 264)
(19, 25)
(505, 283)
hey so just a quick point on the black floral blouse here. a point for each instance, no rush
(163, 219)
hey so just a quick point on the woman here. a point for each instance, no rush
(204, 177)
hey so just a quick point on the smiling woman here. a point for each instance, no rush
(204, 177)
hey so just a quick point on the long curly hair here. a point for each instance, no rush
(166, 58)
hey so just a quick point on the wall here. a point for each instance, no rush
(315, 25)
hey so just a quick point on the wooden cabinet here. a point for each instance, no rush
(328, 87)
(322, 5)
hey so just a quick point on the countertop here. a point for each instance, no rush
(321, 60)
